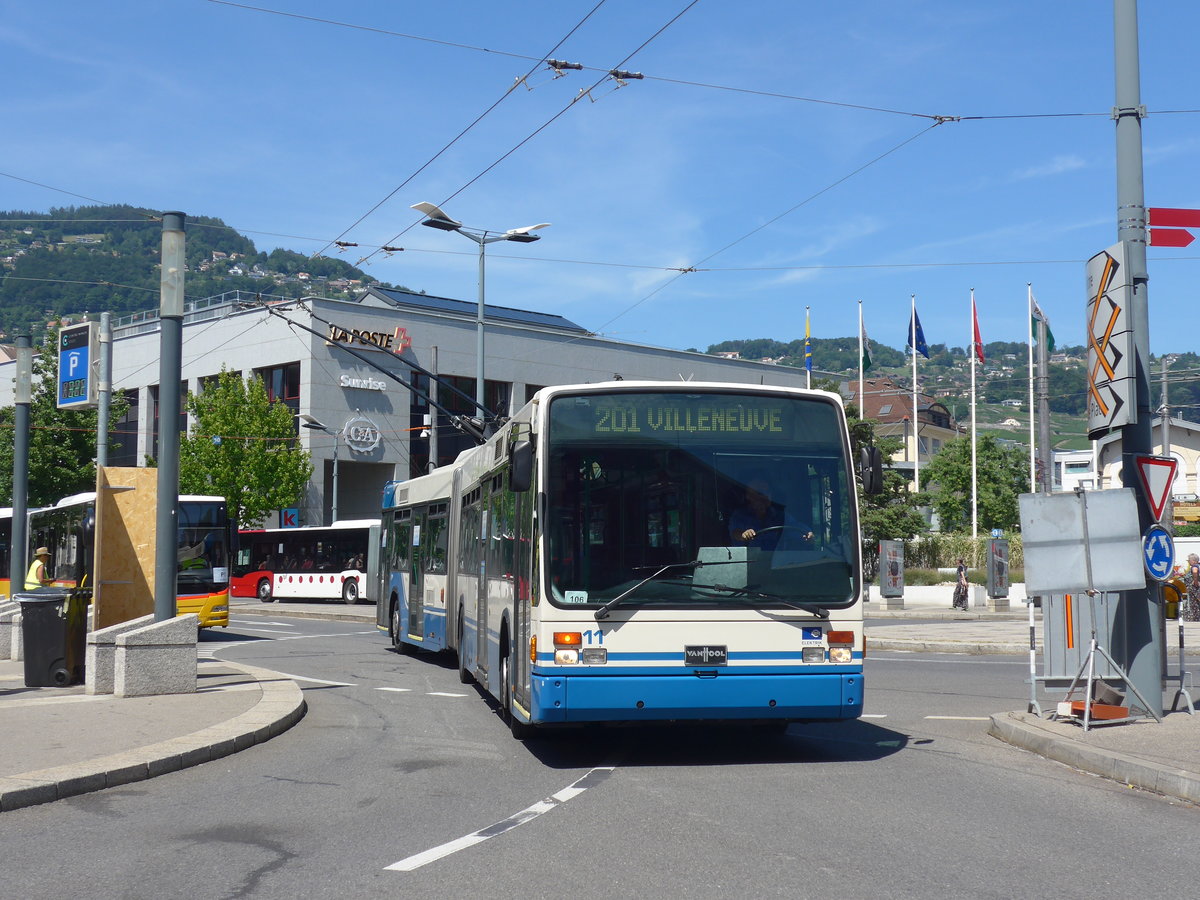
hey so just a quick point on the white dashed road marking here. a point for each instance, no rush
(592, 778)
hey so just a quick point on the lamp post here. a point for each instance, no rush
(309, 422)
(437, 218)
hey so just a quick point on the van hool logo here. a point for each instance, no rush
(705, 656)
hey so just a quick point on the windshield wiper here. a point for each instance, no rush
(747, 594)
(602, 612)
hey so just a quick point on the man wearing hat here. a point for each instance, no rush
(38, 575)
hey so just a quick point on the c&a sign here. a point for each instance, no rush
(361, 434)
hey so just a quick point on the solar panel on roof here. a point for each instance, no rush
(498, 313)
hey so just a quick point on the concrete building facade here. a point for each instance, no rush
(378, 428)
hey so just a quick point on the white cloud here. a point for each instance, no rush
(1056, 166)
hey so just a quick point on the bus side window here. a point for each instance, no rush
(402, 541)
(469, 547)
(435, 540)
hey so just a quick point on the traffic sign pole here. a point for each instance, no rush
(1137, 623)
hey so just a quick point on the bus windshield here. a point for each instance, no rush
(203, 545)
(678, 499)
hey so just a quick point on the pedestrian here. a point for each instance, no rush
(1191, 603)
(38, 575)
(960, 586)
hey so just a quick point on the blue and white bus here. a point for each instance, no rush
(588, 563)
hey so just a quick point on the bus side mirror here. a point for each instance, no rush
(520, 466)
(870, 462)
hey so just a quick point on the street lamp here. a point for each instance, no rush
(309, 422)
(437, 218)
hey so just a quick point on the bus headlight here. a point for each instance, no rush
(566, 657)
(840, 654)
(814, 654)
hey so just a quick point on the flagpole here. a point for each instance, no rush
(912, 327)
(974, 460)
(862, 409)
(807, 351)
(1032, 442)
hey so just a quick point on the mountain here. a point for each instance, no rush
(91, 259)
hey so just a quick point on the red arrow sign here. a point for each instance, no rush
(1174, 218)
(1170, 237)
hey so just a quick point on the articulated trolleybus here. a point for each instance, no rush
(590, 562)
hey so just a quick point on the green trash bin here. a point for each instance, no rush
(54, 635)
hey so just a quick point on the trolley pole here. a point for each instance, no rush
(17, 562)
(166, 558)
(1138, 641)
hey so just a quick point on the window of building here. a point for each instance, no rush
(182, 421)
(456, 395)
(282, 384)
(123, 436)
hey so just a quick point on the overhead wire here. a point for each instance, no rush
(455, 139)
(458, 45)
(554, 117)
(755, 230)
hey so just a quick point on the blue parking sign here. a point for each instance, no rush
(77, 385)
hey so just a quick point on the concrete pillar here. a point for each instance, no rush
(101, 659)
(157, 659)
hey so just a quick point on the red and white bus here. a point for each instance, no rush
(311, 563)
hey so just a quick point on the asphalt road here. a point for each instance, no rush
(402, 782)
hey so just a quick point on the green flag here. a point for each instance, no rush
(1039, 316)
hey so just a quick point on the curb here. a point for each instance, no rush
(280, 707)
(1018, 729)
(971, 648)
(269, 610)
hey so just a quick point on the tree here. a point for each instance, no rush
(892, 514)
(243, 448)
(62, 442)
(1002, 473)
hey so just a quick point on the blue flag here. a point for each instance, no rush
(914, 327)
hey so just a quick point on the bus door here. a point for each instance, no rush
(416, 578)
(522, 587)
(487, 534)
(435, 538)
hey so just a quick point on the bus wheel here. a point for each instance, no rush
(397, 640)
(264, 591)
(464, 675)
(519, 729)
(350, 591)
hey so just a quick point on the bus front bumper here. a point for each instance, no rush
(696, 695)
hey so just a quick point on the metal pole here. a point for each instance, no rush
(170, 370)
(479, 335)
(1045, 447)
(17, 563)
(105, 389)
(337, 438)
(1142, 653)
(433, 417)
(1169, 505)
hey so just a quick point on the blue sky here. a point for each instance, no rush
(292, 130)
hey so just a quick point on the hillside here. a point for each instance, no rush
(93, 259)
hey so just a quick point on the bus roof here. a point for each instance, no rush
(90, 497)
(342, 525)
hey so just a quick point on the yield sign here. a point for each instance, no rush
(1157, 474)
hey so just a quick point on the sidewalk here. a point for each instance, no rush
(59, 742)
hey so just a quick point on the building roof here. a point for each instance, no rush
(885, 401)
(468, 310)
